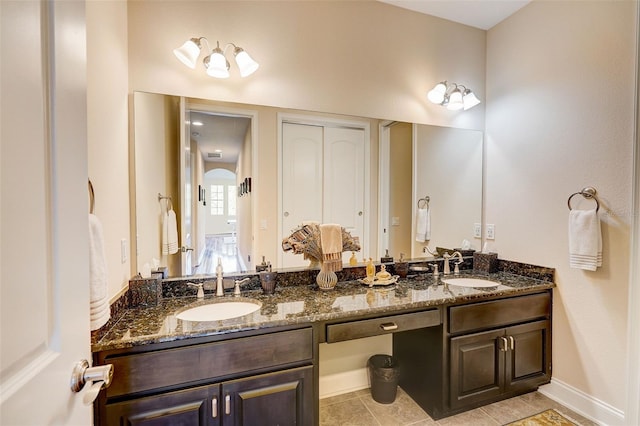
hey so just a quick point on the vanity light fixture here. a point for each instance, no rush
(215, 62)
(453, 96)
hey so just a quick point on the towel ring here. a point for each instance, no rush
(588, 193)
(92, 198)
(169, 201)
(425, 200)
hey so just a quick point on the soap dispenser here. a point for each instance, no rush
(261, 267)
(371, 270)
(352, 260)
(219, 284)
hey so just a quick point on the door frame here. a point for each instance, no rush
(384, 149)
(632, 411)
(316, 120)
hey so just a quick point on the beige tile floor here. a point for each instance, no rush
(359, 409)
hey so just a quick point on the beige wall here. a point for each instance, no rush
(400, 194)
(108, 130)
(449, 170)
(362, 58)
(560, 104)
(156, 147)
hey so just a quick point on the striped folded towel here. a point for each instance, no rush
(331, 243)
(585, 240)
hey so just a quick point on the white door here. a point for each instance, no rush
(186, 192)
(344, 181)
(44, 257)
(301, 181)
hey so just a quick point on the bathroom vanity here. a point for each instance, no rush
(458, 347)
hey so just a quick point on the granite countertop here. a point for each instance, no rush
(304, 304)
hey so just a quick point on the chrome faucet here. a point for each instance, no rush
(238, 283)
(447, 269)
(200, 289)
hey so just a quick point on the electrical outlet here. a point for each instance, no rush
(477, 230)
(491, 231)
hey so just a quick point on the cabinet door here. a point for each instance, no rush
(277, 399)
(476, 368)
(529, 361)
(191, 407)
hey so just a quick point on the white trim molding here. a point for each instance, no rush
(345, 382)
(583, 404)
(632, 409)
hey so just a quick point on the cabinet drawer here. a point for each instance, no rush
(151, 370)
(383, 325)
(498, 313)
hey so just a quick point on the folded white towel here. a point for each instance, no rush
(99, 308)
(169, 233)
(331, 243)
(423, 225)
(585, 240)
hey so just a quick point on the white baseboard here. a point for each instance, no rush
(339, 383)
(583, 404)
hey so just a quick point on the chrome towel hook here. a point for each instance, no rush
(589, 193)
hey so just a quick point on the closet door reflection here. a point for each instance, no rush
(322, 180)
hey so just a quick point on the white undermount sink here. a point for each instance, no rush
(219, 311)
(470, 282)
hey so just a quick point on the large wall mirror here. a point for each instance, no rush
(219, 166)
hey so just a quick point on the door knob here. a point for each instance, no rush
(100, 378)
(286, 214)
(185, 249)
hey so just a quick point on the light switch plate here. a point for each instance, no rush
(395, 221)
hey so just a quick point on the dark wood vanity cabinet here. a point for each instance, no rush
(266, 379)
(283, 398)
(484, 352)
(489, 364)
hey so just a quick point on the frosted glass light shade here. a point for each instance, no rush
(436, 95)
(188, 53)
(217, 65)
(469, 99)
(246, 64)
(455, 100)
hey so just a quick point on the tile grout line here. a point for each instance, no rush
(370, 412)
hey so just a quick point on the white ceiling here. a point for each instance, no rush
(482, 14)
(219, 132)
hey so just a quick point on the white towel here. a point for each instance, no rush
(99, 309)
(169, 233)
(585, 240)
(423, 225)
(331, 243)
